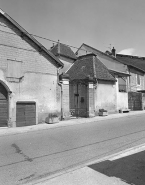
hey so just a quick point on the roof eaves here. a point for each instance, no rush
(23, 31)
(119, 73)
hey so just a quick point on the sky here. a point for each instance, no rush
(102, 24)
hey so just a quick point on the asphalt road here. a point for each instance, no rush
(31, 156)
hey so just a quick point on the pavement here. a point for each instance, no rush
(82, 175)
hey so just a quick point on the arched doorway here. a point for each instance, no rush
(3, 106)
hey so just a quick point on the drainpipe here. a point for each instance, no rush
(95, 76)
(60, 84)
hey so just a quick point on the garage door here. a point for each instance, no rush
(25, 114)
(135, 100)
(3, 106)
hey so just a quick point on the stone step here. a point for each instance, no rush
(124, 110)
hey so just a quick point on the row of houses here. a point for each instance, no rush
(99, 80)
(37, 84)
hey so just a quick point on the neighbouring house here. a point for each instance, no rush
(116, 68)
(29, 84)
(67, 57)
(92, 87)
(136, 81)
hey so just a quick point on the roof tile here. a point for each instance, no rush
(63, 50)
(134, 61)
(84, 67)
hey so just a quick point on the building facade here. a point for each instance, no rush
(29, 89)
(92, 87)
(117, 69)
(136, 80)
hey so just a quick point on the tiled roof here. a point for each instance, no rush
(134, 61)
(89, 65)
(64, 50)
(96, 51)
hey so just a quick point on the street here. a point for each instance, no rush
(31, 156)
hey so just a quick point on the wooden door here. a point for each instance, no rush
(135, 100)
(78, 100)
(3, 106)
(25, 114)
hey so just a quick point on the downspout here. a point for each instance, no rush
(61, 92)
(95, 76)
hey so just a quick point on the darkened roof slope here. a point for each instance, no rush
(64, 50)
(89, 65)
(96, 51)
(134, 61)
(24, 34)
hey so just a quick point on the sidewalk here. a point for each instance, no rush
(65, 123)
(83, 176)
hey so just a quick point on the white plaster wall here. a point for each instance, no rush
(105, 97)
(122, 100)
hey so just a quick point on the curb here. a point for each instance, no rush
(5, 131)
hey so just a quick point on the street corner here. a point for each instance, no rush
(128, 166)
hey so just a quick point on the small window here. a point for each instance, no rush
(138, 79)
(14, 69)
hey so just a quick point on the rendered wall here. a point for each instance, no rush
(105, 97)
(122, 101)
(38, 79)
(121, 98)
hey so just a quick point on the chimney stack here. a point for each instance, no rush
(114, 52)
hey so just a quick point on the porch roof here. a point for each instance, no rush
(120, 74)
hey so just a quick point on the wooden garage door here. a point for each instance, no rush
(3, 106)
(25, 114)
(135, 100)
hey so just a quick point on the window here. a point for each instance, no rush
(122, 84)
(138, 79)
(14, 69)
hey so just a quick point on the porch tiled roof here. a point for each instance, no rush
(134, 61)
(64, 50)
(89, 66)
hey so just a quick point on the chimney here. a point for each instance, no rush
(52, 46)
(114, 52)
(58, 47)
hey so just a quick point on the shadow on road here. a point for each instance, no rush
(130, 169)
